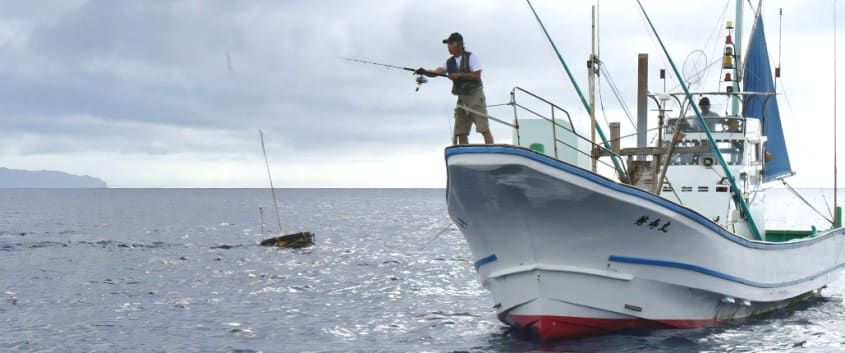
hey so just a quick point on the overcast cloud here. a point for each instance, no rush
(172, 93)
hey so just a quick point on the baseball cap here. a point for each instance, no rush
(454, 37)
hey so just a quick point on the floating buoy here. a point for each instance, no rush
(294, 241)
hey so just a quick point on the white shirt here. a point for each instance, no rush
(474, 63)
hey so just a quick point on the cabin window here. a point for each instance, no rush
(721, 189)
(716, 125)
(686, 188)
(703, 189)
(732, 151)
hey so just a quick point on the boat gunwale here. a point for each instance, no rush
(633, 191)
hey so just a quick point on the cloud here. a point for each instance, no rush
(180, 88)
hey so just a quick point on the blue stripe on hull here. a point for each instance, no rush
(717, 274)
(485, 260)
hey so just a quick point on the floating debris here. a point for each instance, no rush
(295, 240)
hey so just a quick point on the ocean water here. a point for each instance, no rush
(164, 270)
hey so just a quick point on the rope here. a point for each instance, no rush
(794, 192)
(448, 226)
(616, 94)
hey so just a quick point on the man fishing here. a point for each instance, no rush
(464, 69)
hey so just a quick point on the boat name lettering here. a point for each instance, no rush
(654, 224)
(641, 220)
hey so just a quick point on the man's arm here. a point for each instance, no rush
(475, 75)
(430, 73)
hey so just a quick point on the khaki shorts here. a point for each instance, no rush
(464, 119)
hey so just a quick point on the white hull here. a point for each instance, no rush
(567, 252)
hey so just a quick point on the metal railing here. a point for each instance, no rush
(554, 119)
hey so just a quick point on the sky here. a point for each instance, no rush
(168, 94)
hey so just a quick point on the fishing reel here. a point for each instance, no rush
(420, 80)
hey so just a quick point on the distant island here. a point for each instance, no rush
(16, 178)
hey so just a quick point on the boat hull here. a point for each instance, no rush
(566, 252)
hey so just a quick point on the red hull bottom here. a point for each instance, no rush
(547, 328)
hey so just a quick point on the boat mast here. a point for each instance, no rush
(738, 53)
(620, 170)
(272, 189)
(836, 214)
(591, 66)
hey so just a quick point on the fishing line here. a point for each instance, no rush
(449, 225)
(420, 73)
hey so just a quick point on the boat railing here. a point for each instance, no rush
(559, 118)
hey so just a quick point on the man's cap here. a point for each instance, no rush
(704, 101)
(454, 37)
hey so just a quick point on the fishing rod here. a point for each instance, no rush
(420, 72)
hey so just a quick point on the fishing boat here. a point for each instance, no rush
(676, 239)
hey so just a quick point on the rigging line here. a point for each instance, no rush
(615, 90)
(716, 50)
(272, 189)
(668, 181)
(786, 96)
(794, 192)
(826, 204)
(449, 225)
(601, 103)
(637, 133)
(780, 45)
(751, 5)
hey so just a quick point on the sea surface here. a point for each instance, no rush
(179, 270)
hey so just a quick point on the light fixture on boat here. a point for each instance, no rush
(730, 25)
(728, 39)
(727, 62)
(728, 77)
(728, 300)
(707, 162)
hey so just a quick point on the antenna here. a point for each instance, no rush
(272, 189)
(836, 214)
(780, 45)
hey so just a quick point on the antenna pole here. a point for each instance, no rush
(738, 54)
(835, 183)
(272, 189)
(780, 45)
(591, 64)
